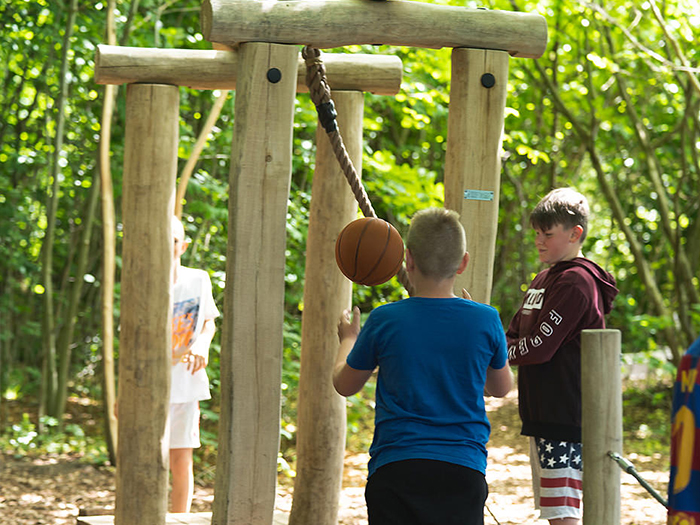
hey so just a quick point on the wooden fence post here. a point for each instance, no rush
(150, 168)
(601, 391)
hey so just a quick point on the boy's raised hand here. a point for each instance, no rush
(349, 326)
(347, 380)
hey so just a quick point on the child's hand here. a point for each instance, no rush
(349, 326)
(194, 362)
(466, 295)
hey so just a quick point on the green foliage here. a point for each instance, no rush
(20, 382)
(23, 439)
(647, 417)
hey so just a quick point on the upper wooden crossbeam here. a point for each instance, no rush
(335, 23)
(203, 69)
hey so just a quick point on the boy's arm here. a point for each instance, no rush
(199, 351)
(557, 322)
(512, 332)
(347, 380)
(499, 381)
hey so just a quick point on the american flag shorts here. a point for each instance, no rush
(556, 478)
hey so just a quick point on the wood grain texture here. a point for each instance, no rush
(473, 159)
(334, 23)
(150, 164)
(253, 317)
(202, 69)
(601, 393)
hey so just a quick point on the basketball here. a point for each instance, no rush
(369, 251)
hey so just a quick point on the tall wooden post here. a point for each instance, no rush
(601, 390)
(251, 353)
(473, 161)
(150, 167)
(321, 411)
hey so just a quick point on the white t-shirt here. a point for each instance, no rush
(193, 304)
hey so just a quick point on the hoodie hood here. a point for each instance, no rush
(605, 280)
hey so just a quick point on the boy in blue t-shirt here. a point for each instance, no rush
(684, 485)
(438, 355)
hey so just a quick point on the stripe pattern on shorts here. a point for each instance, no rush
(560, 479)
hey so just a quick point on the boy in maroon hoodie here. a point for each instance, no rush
(544, 341)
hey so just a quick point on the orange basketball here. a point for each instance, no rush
(369, 251)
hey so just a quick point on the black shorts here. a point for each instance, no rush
(426, 492)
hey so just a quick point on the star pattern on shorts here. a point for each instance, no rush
(554, 454)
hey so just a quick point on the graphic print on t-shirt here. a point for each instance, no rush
(185, 315)
(534, 299)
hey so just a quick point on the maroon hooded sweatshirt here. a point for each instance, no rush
(544, 341)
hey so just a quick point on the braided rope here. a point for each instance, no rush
(320, 93)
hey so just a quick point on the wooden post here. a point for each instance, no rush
(473, 161)
(150, 168)
(321, 411)
(331, 23)
(251, 353)
(601, 390)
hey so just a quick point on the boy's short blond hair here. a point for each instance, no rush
(563, 206)
(437, 242)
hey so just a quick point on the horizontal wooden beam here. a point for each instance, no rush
(334, 23)
(203, 69)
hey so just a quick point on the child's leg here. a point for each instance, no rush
(181, 467)
(557, 474)
(184, 436)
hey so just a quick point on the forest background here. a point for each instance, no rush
(612, 108)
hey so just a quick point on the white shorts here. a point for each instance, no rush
(556, 478)
(184, 425)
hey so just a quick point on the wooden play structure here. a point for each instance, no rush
(266, 71)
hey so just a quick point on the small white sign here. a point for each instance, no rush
(478, 195)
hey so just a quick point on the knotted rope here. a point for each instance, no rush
(320, 93)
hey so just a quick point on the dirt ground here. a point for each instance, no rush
(52, 490)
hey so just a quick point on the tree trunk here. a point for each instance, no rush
(49, 375)
(66, 336)
(109, 396)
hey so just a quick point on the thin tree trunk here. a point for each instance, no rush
(65, 340)
(48, 320)
(109, 395)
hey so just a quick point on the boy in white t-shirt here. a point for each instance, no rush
(194, 312)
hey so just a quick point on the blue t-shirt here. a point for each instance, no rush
(684, 485)
(432, 356)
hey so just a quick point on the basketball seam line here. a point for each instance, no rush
(381, 256)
